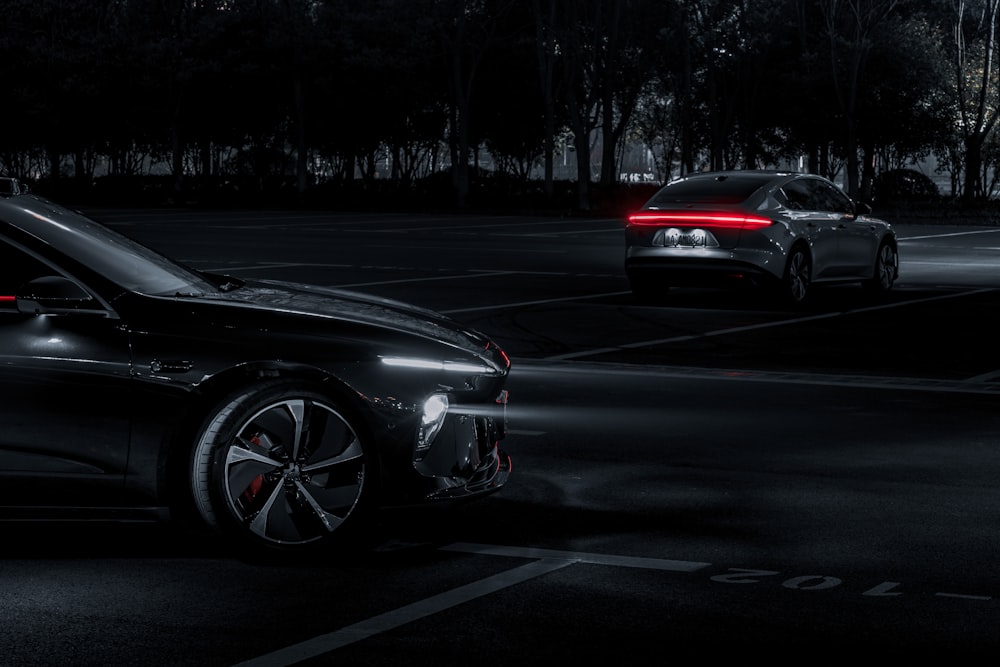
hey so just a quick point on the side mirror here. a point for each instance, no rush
(861, 208)
(54, 295)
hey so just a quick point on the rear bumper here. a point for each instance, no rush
(702, 266)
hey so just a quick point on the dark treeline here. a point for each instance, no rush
(394, 98)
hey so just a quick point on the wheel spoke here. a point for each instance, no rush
(297, 410)
(274, 520)
(237, 455)
(353, 452)
(345, 502)
(243, 468)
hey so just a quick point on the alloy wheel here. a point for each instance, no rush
(294, 472)
(798, 276)
(885, 267)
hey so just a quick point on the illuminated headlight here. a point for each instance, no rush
(434, 411)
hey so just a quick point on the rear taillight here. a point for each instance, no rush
(709, 220)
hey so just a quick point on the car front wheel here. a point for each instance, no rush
(886, 269)
(281, 468)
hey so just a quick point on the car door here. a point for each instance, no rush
(813, 222)
(64, 382)
(857, 239)
(855, 253)
(834, 212)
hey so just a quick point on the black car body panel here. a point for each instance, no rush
(108, 370)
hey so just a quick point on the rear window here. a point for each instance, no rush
(727, 189)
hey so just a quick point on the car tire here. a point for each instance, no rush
(797, 280)
(886, 269)
(282, 468)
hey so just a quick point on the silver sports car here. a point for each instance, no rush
(789, 230)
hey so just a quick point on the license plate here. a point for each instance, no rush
(689, 238)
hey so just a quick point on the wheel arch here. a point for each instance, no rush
(784, 287)
(180, 441)
(892, 241)
(798, 244)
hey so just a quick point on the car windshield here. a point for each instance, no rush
(113, 255)
(720, 189)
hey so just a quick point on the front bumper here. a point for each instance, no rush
(465, 459)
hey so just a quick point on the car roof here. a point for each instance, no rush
(40, 217)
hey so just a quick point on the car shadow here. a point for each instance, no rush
(104, 539)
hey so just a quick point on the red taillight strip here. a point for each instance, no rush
(718, 220)
(7, 299)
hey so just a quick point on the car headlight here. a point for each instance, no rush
(434, 411)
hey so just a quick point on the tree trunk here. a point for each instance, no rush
(177, 158)
(973, 167)
(301, 148)
(582, 143)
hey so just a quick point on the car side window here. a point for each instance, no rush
(830, 198)
(798, 196)
(17, 268)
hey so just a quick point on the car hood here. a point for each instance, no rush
(346, 306)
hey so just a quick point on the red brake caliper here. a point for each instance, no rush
(255, 485)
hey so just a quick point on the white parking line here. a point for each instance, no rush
(963, 596)
(265, 266)
(518, 304)
(974, 385)
(463, 276)
(503, 224)
(397, 617)
(763, 325)
(985, 377)
(543, 561)
(951, 265)
(938, 236)
(573, 232)
(579, 557)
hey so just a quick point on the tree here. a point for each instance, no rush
(547, 52)
(469, 30)
(904, 111)
(851, 28)
(624, 67)
(975, 82)
(580, 35)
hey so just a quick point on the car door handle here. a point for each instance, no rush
(170, 366)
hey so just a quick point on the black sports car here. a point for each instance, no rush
(278, 413)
